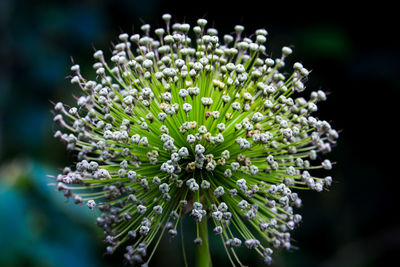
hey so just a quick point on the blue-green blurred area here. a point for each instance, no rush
(38, 227)
(353, 54)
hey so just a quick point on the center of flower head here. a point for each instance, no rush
(211, 131)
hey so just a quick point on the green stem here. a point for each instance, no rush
(203, 256)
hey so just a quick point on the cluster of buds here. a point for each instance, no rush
(204, 128)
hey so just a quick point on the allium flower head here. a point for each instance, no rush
(205, 128)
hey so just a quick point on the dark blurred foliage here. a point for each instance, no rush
(353, 53)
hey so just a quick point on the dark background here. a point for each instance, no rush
(352, 51)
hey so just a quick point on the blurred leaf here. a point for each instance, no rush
(324, 41)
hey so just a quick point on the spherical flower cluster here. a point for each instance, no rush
(205, 128)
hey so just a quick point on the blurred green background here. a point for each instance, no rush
(353, 54)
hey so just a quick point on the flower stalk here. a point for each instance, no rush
(203, 255)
